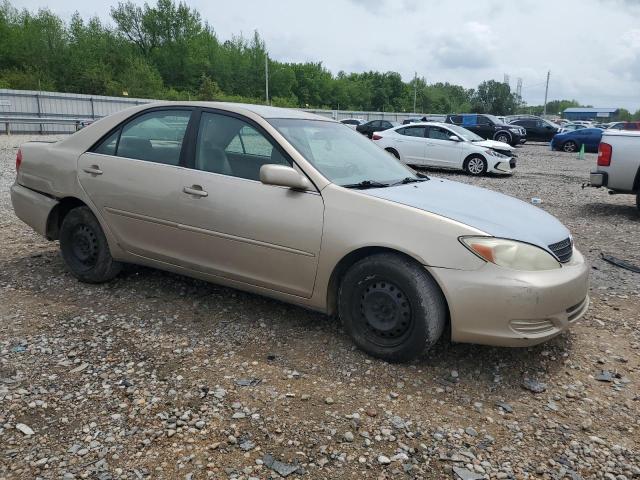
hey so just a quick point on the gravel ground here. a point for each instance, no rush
(160, 376)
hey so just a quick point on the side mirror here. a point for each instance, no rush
(283, 176)
(455, 138)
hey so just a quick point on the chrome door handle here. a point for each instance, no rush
(195, 190)
(93, 170)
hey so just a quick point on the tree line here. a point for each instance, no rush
(167, 51)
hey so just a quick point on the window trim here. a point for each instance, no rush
(118, 128)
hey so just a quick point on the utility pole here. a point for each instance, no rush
(415, 90)
(546, 92)
(266, 77)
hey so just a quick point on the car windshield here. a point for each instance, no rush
(467, 135)
(342, 155)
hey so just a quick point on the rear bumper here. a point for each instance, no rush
(32, 208)
(598, 179)
(502, 307)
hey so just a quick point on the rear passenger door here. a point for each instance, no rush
(238, 228)
(133, 179)
(411, 144)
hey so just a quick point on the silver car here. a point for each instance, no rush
(295, 206)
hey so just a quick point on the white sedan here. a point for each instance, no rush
(433, 144)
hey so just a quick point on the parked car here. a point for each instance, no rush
(571, 127)
(573, 141)
(624, 126)
(352, 122)
(446, 146)
(294, 206)
(407, 121)
(618, 165)
(375, 126)
(489, 127)
(538, 129)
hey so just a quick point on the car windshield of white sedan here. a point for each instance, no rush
(343, 156)
(465, 134)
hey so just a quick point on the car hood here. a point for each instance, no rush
(493, 213)
(495, 145)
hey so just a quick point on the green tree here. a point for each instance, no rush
(494, 97)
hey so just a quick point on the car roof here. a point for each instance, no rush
(264, 111)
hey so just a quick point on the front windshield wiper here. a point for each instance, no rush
(363, 185)
(406, 180)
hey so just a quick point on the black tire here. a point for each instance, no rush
(569, 146)
(391, 307)
(503, 137)
(638, 201)
(475, 165)
(393, 152)
(84, 247)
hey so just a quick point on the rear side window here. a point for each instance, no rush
(155, 136)
(412, 131)
(457, 119)
(109, 144)
(470, 120)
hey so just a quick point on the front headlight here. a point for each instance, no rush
(516, 130)
(511, 254)
(493, 153)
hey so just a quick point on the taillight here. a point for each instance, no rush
(18, 160)
(604, 154)
(376, 137)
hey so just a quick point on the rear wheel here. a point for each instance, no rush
(638, 200)
(570, 146)
(475, 165)
(391, 307)
(84, 247)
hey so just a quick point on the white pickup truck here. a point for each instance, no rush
(618, 167)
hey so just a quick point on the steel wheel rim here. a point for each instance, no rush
(385, 313)
(475, 166)
(84, 246)
(569, 147)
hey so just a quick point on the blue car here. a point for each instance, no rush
(572, 141)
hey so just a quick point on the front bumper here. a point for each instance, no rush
(502, 307)
(504, 167)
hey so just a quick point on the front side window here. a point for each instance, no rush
(231, 146)
(343, 156)
(155, 136)
(438, 133)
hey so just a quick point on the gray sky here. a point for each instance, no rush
(592, 47)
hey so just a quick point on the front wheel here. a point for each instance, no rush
(475, 165)
(391, 307)
(570, 146)
(84, 247)
(503, 137)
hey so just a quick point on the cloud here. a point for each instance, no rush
(470, 46)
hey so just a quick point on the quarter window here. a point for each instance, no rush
(230, 146)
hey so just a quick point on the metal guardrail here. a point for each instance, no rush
(10, 119)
